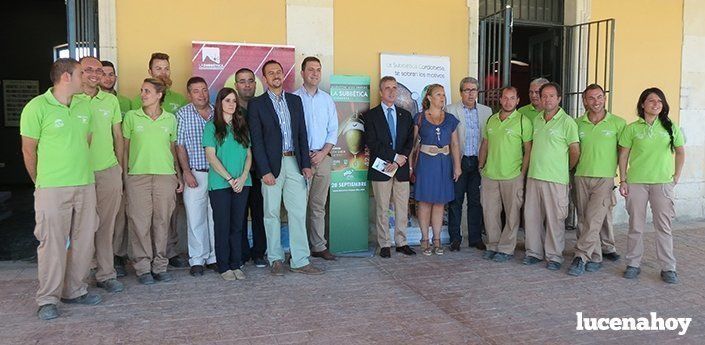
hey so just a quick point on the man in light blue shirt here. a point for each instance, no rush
(322, 129)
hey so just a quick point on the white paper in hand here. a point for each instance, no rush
(380, 165)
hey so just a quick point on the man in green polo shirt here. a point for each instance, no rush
(106, 152)
(599, 132)
(55, 129)
(504, 159)
(533, 109)
(555, 151)
(160, 68)
(107, 84)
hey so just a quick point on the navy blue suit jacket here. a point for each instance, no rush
(265, 133)
(379, 141)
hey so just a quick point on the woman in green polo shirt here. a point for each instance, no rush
(227, 143)
(152, 181)
(647, 147)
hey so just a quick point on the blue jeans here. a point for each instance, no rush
(468, 183)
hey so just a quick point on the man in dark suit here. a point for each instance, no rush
(389, 137)
(280, 149)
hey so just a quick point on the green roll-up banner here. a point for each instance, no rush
(349, 190)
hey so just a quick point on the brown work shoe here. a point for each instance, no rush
(325, 255)
(308, 269)
(277, 268)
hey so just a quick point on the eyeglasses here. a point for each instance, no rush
(468, 91)
(98, 71)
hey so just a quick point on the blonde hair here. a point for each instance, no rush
(425, 103)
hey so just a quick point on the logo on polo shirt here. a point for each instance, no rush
(83, 118)
(174, 106)
(139, 128)
(165, 129)
(58, 123)
(581, 134)
(608, 132)
(104, 112)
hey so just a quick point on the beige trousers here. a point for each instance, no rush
(150, 202)
(396, 192)
(316, 210)
(660, 197)
(594, 200)
(108, 191)
(545, 211)
(498, 195)
(66, 224)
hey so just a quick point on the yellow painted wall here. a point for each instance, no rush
(169, 26)
(648, 42)
(366, 28)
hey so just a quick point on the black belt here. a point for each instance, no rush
(201, 170)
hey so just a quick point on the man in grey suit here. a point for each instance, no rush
(473, 117)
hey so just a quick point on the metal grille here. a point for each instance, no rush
(526, 11)
(495, 56)
(82, 20)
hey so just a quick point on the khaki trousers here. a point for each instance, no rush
(66, 224)
(594, 200)
(498, 195)
(150, 202)
(607, 231)
(172, 245)
(545, 211)
(108, 191)
(396, 192)
(120, 239)
(316, 210)
(660, 197)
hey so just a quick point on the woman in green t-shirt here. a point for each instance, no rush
(647, 147)
(227, 143)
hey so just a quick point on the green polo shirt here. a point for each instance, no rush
(230, 153)
(529, 111)
(63, 157)
(105, 112)
(150, 142)
(549, 152)
(125, 104)
(505, 140)
(173, 101)
(650, 156)
(598, 145)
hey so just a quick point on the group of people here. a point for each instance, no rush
(108, 171)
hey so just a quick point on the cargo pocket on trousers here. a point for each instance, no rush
(563, 201)
(39, 232)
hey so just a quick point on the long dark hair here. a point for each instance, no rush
(238, 122)
(663, 115)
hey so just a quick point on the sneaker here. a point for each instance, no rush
(553, 265)
(631, 272)
(530, 260)
(119, 265)
(489, 254)
(178, 262)
(146, 279)
(611, 256)
(591, 266)
(577, 268)
(239, 274)
(308, 269)
(277, 268)
(260, 262)
(196, 270)
(163, 276)
(501, 257)
(111, 285)
(669, 277)
(455, 246)
(47, 312)
(87, 299)
(228, 275)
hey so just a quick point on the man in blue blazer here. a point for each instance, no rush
(280, 149)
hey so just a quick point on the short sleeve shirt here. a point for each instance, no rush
(549, 152)
(230, 153)
(505, 141)
(150, 142)
(598, 145)
(172, 102)
(650, 156)
(125, 103)
(63, 157)
(529, 111)
(105, 112)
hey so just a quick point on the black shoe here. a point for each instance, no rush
(260, 262)
(111, 285)
(592, 266)
(530, 260)
(178, 262)
(611, 256)
(87, 299)
(146, 279)
(478, 245)
(119, 265)
(455, 246)
(196, 270)
(577, 268)
(163, 276)
(669, 277)
(489, 254)
(48, 312)
(384, 252)
(406, 250)
(631, 272)
(214, 267)
(501, 257)
(553, 265)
